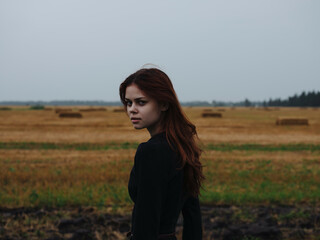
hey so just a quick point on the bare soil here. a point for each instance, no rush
(219, 222)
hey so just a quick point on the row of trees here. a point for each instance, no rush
(310, 99)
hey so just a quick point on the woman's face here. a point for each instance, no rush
(144, 112)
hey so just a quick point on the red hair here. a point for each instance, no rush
(180, 132)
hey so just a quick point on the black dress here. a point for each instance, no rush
(155, 187)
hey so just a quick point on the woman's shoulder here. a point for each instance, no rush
(156, 148)
(156, 156)
(156, 144)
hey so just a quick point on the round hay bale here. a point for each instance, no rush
(70, 115)
(5, 109)
(212, 114)
(292, 121)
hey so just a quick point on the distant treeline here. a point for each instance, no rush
(310, 99)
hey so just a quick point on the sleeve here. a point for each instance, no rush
(192, 222)
(150, 192)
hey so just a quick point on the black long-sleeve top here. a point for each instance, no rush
(156, 188)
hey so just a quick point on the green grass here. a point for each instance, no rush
(237, 180)
(274, 194)
(261, 182)
(134, 145)
(98, 195)
(266, 148)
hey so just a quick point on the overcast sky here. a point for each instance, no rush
(225, 50)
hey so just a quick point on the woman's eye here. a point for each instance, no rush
(129, 103)
(142, 103)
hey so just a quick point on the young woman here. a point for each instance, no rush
(167, 174)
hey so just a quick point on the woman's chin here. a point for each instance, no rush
(138, 127)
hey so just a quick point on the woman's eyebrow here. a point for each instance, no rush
(136, 99)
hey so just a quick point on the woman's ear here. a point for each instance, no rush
(164, 107)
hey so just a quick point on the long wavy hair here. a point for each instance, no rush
(180, 132)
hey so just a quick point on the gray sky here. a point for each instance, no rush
(225, 50)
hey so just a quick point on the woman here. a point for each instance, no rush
(167, 174)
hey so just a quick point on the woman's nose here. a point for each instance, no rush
(132, 108)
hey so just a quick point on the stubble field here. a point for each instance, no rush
(47, 161)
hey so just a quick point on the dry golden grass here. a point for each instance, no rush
(100, 177)
(238, 125)
(31, 177)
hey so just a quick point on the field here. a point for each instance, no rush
(47, 161)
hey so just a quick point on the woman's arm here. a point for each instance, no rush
(192, 222)
(150, 191)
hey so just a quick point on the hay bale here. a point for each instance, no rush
(207, 110)
(70, 115)
(221, 110)
(292, 121)
(59, 110)
(118, 110)
(5, 109)
(212, 114)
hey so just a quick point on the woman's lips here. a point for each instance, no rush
(135, 120)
